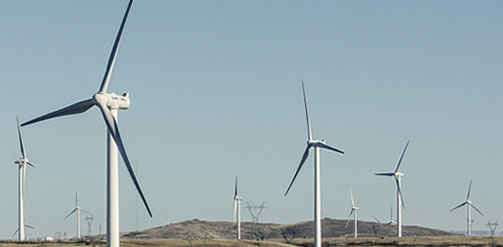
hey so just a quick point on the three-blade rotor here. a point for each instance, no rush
(396, 173)
(102, 100)
(353, 207)
(310, 142)
(468, 201)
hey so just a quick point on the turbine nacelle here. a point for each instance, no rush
(315, 142)
(399, 174)
(112, 101)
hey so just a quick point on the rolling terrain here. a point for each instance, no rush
(207, 230)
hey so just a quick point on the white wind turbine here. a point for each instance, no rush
(397, 175)
(236, 215)
(354, 209)
(469, 205)
(77, 209)
(21, 163)
(317, 144)
(109, 104)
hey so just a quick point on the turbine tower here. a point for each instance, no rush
(21, 174)
(109, 104)
(354, 210)
(317, 144)
(469, 205)
(77, 209)
(397, 175)
(236, 216)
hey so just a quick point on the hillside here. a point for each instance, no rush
(207, 230)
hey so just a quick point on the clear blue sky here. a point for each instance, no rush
(215, 91)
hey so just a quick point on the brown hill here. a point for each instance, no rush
(332, 228)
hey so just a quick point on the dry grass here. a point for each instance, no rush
(437, 241)
(146, 243)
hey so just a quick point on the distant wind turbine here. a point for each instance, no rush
(317, 145)
(397, 175)
(354, 209)
(21, 163)
(469, 205)
(77, 209)
(236, 216)
(109, 104)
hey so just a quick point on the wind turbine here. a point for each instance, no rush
(469, 205)
(354, 209)
(21, 163)
(317, 145)
(109, 104)
(236, 216)
(77, 209)
(397, 175)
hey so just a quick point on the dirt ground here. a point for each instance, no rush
(406, 241)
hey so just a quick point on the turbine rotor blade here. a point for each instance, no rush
(399, 191)
(458, 206)
(86, 211)
(325, 146)
(29, 226)
(21, 145)
(469, 191)
(384, 174)
(113, 53)
(401, 156)
(234, 212)
(30, 164)
(350, 213)
(309, 132)
(480, 212)
(304, 157)
(113, 128)
(76, 108)
(14, 234)
(351, 194)
(377, 220)
(236, 187)
(73, 211)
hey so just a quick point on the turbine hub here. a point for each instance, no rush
(112, 100)
(399, 174)
(21, 161)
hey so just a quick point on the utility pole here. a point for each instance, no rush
(255, 211)
(89, 220)
(492, 226)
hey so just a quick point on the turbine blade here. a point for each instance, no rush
(347, 222)
(377, 220)
(29, 226)
(113, 53)
(384, 174)
(401, 156)
(76, 108)
(113, 128)
(399, 191)
(236, 187)
(21, 145)
(30, 164)
(14, 234)
(325, 146)
(86, 211)
(458, 206)
(304, 157)
(480, 212)
(73, 211)
(309, 132)
(351, 194)
(469, 191)
(76, 199)
(234, 212)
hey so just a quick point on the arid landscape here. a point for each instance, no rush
(438, 241)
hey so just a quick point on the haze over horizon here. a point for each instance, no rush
(215, 93)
